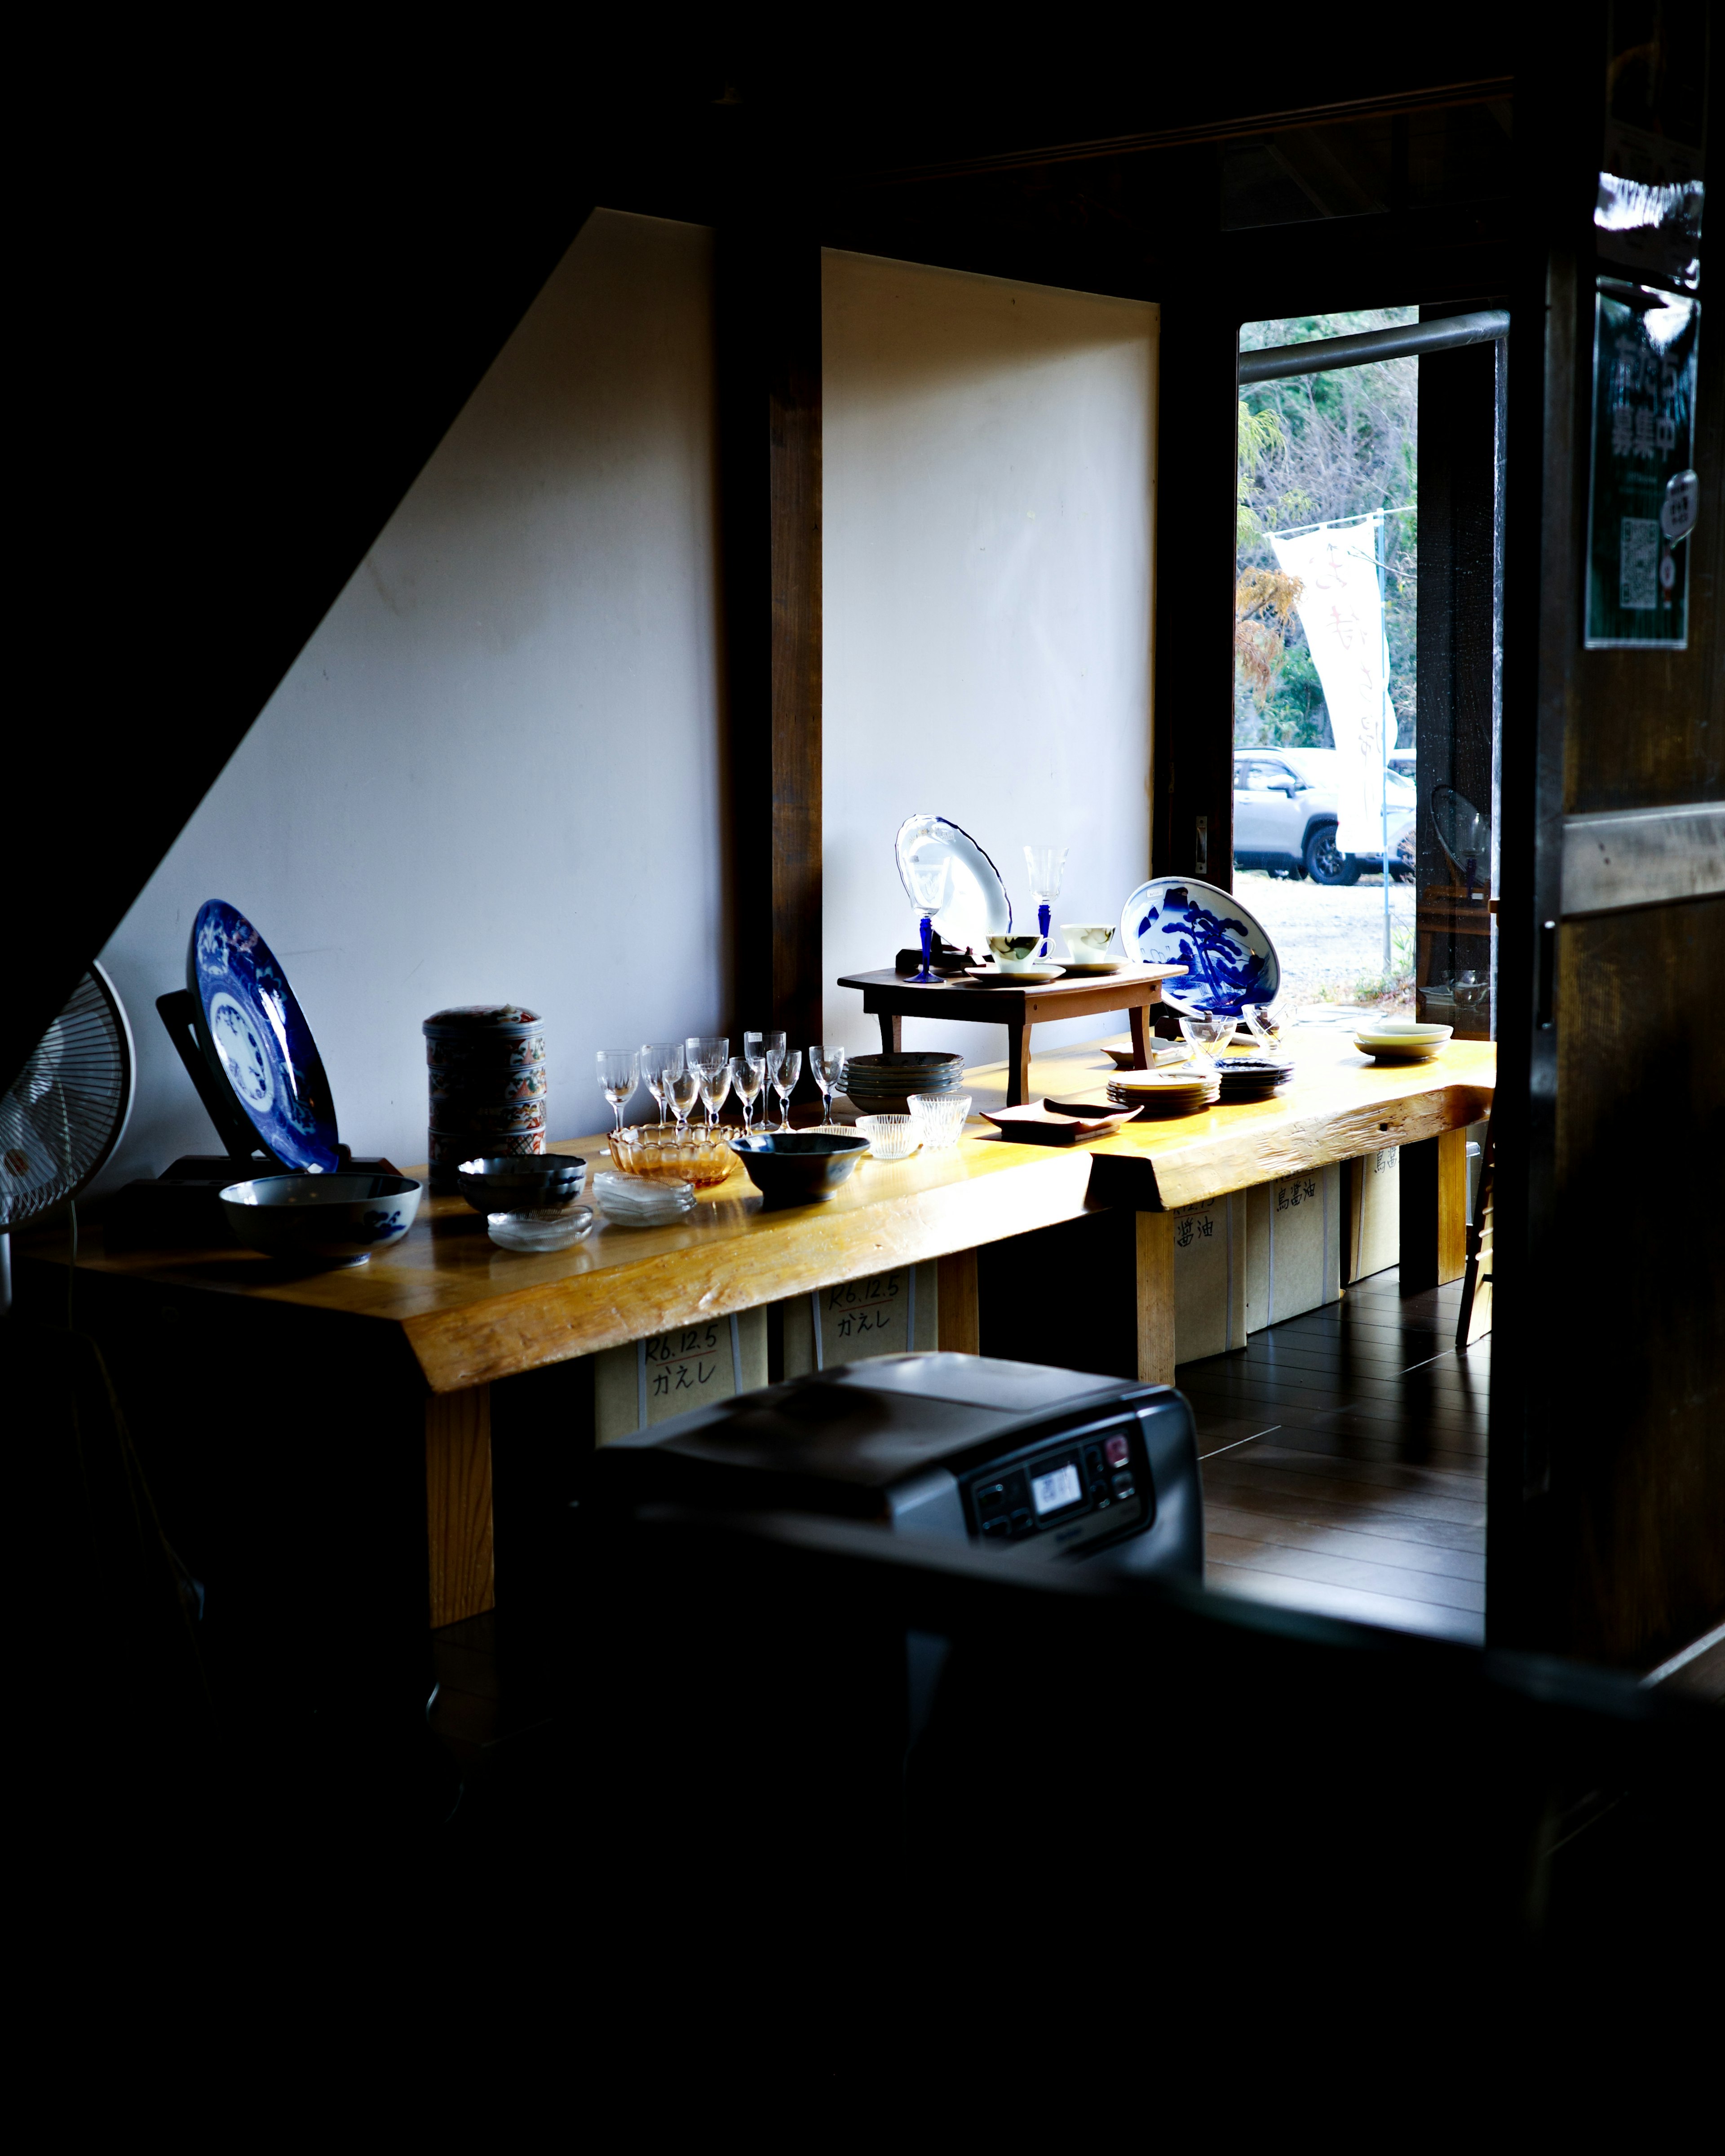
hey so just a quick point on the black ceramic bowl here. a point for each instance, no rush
(794, 1167)
(527, 1182)
(882, 1085)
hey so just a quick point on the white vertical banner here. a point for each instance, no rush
(1340, 609)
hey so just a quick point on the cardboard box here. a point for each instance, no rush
(650, 1381)
(1209, 1277)
(1293, 1246)
(1374, 1213)
(890, 1313)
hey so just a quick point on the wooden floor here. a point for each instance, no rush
(1343, 1455)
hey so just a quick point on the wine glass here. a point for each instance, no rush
(1269, 1029)
(1044, 865)
(683, 1085)
(659, 1060)
(746, 1073)
(1205, 1031)
(930, 883)
(771, 1052)
(705, 1051)
(715, 1085)
(784, 1082)
(616, 1079)
(826, 1067)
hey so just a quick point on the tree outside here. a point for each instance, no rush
(1312, 450)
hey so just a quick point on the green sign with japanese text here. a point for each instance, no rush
(1645, 495)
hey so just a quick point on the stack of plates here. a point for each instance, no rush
(1252, 1077)
(637, 1201)
(882, 1085)
(1179, 1092)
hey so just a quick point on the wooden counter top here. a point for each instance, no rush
(471, 1312)
(1336, 1109)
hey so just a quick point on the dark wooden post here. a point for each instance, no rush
(768, 308)
(1192, 750)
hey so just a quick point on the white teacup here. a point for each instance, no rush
(1015, 954)
(1088, 939)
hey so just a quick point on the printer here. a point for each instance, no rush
(1062, 1463)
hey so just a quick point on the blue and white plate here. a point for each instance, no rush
(1229, 959)
(979, 907)
(256, 1039)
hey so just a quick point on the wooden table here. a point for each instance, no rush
(326, 1378)
(892, 998)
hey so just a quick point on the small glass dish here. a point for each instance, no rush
(939, 1119)
(654, 1151)
(631, 1200)
(551, 1227)
(891, 1137)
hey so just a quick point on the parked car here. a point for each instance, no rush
(1285, 816)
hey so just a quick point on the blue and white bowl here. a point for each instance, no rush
(321, 1219)
(1229, 959)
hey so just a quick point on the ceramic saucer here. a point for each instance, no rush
(1033, 977)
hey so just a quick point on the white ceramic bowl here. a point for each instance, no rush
(891, 1137)
(939, 1118)
(321, 1219)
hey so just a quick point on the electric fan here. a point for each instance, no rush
(62, 1117)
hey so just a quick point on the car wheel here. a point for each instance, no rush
(1325, 862)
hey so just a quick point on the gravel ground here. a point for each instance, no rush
(1330, 937)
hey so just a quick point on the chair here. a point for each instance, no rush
(1474, 1317)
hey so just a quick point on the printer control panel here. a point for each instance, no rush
(1071, 1489)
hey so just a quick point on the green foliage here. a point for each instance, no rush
(1293, 713)
(1315, 448)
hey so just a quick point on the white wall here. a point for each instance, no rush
(493, 772)
(988, 500)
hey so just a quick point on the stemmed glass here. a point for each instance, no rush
(826, 1067)
(659, 1061)
(785, 1074)
(1269, 1029)
(930, 886)
(683, 1085)
(707, 1055)
(1045, 863)
(1205, 1032)
(769, 1047)
(616, 1079)
(715, 1085)
(747, 1074)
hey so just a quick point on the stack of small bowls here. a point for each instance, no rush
(882, 1085)
(529, 1204)
(486, 1066)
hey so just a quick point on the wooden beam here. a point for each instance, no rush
(1156, 1298)
(458, 1504)
(769, 314)
(1192, 817)
(960, 1330)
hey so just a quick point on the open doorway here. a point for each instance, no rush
(1365, 645)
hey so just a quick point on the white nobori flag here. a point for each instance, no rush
(1340, 609)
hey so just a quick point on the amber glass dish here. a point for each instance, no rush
(702, 1157)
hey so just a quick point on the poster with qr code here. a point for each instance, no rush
(1644, 496)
